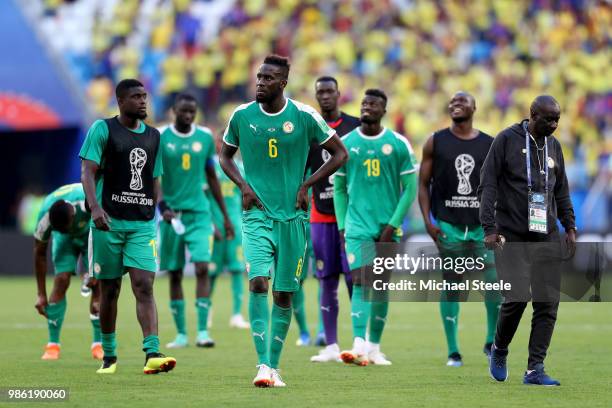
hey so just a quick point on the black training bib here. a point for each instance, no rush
(323, 191)
(129, 162)
(456, 176)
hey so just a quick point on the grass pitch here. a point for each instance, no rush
(580, 357)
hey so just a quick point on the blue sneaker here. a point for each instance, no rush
(304, 340)
(497, 364)
(487, 349)
(539, 377)
(320, 341)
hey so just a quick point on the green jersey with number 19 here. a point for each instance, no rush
(373, 179)
(274, 150)
(184, 160)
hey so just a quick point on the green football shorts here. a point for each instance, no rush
(197, 238)
(65, 252)
(111, 252)
(361, 252)
(277, 245)
(227, 254)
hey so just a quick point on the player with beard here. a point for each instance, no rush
(274, 134)
(372, 194)
(448, 182)
(120, 175)
(328, 250)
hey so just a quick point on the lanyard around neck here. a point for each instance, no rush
(528, 158)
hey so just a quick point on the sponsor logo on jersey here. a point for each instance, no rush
(288, 127)
(355, 149)
(196, 147)
(387, 149)
(171, 146)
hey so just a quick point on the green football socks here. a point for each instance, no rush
(109, 344)
(177, 307)
(55, 319)
(202, 307)
(95, 326)
(281, 318)
(259, 316)
(150, 344)
(360, 312)
(450, 320)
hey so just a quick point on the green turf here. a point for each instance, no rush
(580, 357)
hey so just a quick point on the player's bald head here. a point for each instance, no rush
(543, 104)
(465, 95)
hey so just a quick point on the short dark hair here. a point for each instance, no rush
(279, 61)
(377, 92)
(59, 214)
(184, 96)
(125, 85)
(327, 78)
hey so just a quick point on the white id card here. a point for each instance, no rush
(538, 213)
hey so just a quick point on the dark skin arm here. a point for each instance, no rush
(249, 198)
(339, 156)
(88, 178)
(425, 176)
(40, 271)
(215, 189)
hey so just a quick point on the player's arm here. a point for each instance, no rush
(409, 189)
(425, 176)
(100, 218)
(487, 191)
(339, 156)
(340, 201)
(215, 190)
(249, 198)
(40, 271)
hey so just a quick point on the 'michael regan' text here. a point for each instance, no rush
(128, 197)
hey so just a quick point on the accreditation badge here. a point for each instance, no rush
(538, 212)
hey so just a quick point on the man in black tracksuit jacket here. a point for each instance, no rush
(507, 216)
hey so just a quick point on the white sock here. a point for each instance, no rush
(373, 347)
(359, 345)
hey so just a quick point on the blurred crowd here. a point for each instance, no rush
(420, 52)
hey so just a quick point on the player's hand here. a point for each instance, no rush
(302, 199)
(570, 240)
(434, 232)
(494, 241)
(91, 282)
(168, 215)
(229, 229)
(100, 218)
(250, 199)
(387, 234)
(41, 305)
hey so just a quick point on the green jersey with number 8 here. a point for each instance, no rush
(184, 158)
(274, 150)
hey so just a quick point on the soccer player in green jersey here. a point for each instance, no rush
(63, 218)
(274, 134)
(120, 174)
(187, 158)
(227, 251)
(372, 194)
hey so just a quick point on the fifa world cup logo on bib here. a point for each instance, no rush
(464, 164)
(138, 159)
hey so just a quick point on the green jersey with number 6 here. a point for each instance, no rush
(184, 157)
(373, 179)
(274, 149)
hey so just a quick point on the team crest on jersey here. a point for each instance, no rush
(196, 147)
(350, 258)
(97, 268)
(551, 162)
(288, 127)
(387, 149)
